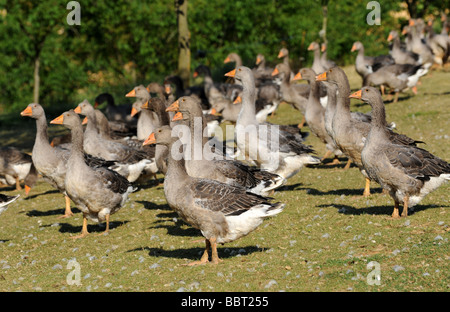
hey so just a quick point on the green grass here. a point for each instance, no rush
(322, 241)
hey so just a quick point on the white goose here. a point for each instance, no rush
(267, 145)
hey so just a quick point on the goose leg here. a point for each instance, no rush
(68, 212)
(84, 230)
(395, 214)
(18, 187)
(107, 225)
(396, 97)
(302, 123)
(367, 188)
(405, 206)
(214, 255)
(335, 161)
(347, 166)
(204, 258)
(327, 154)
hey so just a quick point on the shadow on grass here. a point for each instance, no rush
(339, 192)
(195, 253)
(92, 228)
(378, 210)
(40, 194)
(54, 212)
(151, 205)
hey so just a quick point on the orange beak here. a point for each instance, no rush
(58, 120)
(150, 140)
(227, 60)
(96, 105)
(213, 111)
(231, 73)
(77, 110)
(411, 22)
(275, 72)
(311, 46)
(167, 89)
(389, 38)
(356, 95)
(258, 60)
(27, 190)
(322, 77)
(27, 111)
(134, 111)
(323, 48)
(280, 54)
(237, 100)
(132, 93)
(85, 121)
(195, 74)
(174, 107)
(353, 48)
(177, 116)
(298, 76)
(145, 105)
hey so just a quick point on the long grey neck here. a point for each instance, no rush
(316, 56)
(176, 167)
(396, 43)
(77, 151)
(41, 131)
(342, 99)
(247, 115)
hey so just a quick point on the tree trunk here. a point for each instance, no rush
(184, 56)
(323, 32)
(36, 79)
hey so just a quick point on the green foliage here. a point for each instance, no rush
(121, 44)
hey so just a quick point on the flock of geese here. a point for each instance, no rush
(99, 164)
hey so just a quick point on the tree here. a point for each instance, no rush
(184, 56)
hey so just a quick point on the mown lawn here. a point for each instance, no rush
(323, 240)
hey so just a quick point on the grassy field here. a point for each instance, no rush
(323, 241)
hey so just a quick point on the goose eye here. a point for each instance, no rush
(184, 100)
(239, 69)
(367, 90)
(331, 70)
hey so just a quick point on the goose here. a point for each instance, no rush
(113, 112)
(270, 148)
(416, 44)
(16, 166)
(408, 173)
(315, 112)
(233, 57)
(5, 200)
(180, 90)
(317, 63)
(261, 72)
(294, 94)
(98, 191)
(348, 133)
(147, 120)
(284, 54)
(397, 77)
(368, 64)
(399, 55)
(161, 152)
(439, 44)
(223, 213)
(129, 161)
(201, 165)
(49, 161)
(326, 63)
